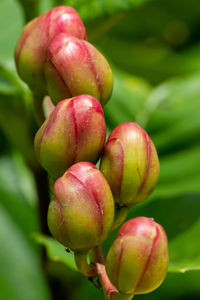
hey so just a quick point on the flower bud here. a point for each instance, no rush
(81, 213)
(30, 52)
(76, 67)
(137, 262)
(130, 164)
(75, 131)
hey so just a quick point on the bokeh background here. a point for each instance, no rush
(153, 47)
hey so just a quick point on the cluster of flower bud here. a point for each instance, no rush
(53, 58)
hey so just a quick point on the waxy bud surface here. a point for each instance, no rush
(30, 52)
(75, 131)
(76, 67)
(81, 213)
(137, 262)
(130, 164)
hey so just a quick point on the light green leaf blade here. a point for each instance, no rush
(11, 21)
(17, 193)
(128, 99)
(21, 277)
(56, 251)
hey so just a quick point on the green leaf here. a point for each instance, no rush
(179, 174)
(127, 101)
(15, 102)
(21, 277)
(138, 43)
(173, 102)
(11, 24)
(56, 251)
(18, 195)
(180, 166)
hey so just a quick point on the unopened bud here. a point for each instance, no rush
(130, 164)
(137, 262)
(81, 213)
(76, 67)
(75, 131)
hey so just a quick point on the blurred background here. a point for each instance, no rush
(153, 47)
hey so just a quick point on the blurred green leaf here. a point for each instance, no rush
(154, 41)
(174, 125)
(11, 24)
(179, 174)
(176, 100)
(179, 166)
(128, 99)
(95, 8)
(152, 60)
(20, 275)
(17, 193)
(46, 5)
(15, 102)
(56, 251)
(179, 135)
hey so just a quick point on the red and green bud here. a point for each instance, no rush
(130, 164)
(30, 52)
(75, 131)
(75, 67)
(81, 213)
(137, 262)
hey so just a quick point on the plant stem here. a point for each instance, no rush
(41, 180)
(97, 255)
(109, 289)
(38, 108)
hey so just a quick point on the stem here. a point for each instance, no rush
(108, 288)
(86, 269)
(38, 108)
(97, 255)
(41, 180)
